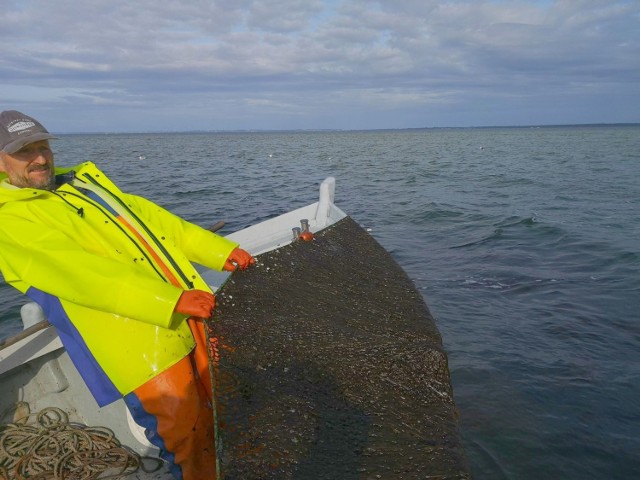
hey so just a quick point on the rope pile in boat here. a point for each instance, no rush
(52, 448)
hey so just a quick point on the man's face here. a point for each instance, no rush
(31, 166)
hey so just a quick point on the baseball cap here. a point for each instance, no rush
(18, 130)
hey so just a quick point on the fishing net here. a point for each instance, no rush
(330, 366)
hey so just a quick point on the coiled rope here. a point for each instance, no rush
(52, 448)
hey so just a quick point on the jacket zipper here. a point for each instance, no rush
(117, 224)
(151, 235)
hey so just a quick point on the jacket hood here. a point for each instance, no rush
(11, 193)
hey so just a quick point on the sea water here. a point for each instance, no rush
(525, 243)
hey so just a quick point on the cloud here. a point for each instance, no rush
(320, 64)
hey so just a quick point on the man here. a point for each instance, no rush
(113, 273)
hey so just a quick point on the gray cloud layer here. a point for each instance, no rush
(167, 65)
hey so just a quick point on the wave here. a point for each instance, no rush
(517, 229)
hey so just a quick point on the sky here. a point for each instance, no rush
(210, 65)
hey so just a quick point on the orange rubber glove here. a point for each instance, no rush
(196, 303)
(238, 258)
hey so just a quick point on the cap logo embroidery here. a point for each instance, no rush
(18, 126)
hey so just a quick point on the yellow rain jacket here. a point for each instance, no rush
(108, 268)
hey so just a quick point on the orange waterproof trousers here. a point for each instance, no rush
(175, 408)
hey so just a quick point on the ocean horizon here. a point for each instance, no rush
(312, 130)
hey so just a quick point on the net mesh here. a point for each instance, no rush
(330, 365)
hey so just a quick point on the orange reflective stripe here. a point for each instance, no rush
(170, 276)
